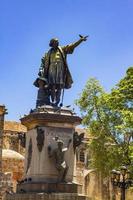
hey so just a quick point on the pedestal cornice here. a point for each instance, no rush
(47, 117)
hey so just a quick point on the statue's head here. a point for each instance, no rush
(60, 144)
(54, 43)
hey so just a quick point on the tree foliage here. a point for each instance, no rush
(109, 119)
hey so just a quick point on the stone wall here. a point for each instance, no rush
(10, 137)
(11, 141)
(12, 168)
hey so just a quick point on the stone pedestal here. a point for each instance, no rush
(45, 196)
(45, 126)
(49, 187)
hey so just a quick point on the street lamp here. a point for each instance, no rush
(122, 179)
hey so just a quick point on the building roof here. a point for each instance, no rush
(10, 154)
(14, 126)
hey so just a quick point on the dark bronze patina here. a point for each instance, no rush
(60, 162)
(54, 73)
(40, 138)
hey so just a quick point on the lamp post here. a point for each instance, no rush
(122, 179)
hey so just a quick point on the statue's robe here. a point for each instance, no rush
(55, 68)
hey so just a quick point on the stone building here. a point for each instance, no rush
(87, 176)
(12, 156)
(12, 131)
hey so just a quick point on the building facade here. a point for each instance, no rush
(12, 156)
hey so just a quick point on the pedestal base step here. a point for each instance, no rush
(49, 187)
(44, 196)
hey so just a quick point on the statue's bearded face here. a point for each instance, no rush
(54, 43)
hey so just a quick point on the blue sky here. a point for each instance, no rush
(26, 26)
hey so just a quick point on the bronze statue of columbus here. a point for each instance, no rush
(54, 71)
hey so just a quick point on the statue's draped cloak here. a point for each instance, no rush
(55, 66)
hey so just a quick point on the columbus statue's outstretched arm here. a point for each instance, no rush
(68, 49)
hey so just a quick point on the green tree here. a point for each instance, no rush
(109, 119)
(121, 100)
